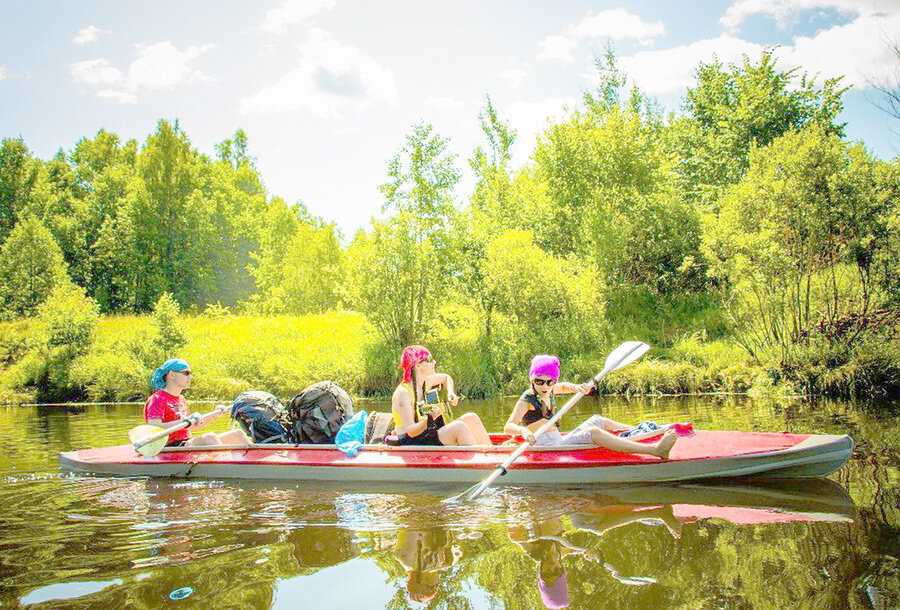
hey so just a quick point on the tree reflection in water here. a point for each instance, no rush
(84, 542)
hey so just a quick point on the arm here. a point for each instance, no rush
(443, 379)
(567, 387)
(402, 405)
(197, 420)
(513, 424)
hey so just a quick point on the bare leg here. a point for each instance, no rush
(612, 426)
(204, 440)
(456, 433)
(477, 428)
(611, 441)
(234, 437)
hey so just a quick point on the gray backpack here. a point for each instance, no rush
(318, 412)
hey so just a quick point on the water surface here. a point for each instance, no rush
(94, 542)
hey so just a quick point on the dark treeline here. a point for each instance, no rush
(746, 216)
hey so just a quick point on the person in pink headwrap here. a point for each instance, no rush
(421, 416)
(537, 405)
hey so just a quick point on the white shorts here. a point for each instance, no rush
(579, 436)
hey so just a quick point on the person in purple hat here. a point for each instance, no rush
(537, 405)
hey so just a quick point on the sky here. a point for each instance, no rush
(327, 90)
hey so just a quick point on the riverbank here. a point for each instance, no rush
(283, 354)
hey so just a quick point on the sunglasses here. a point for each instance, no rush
(546, 382)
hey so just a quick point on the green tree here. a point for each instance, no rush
(732, 108)
(796, 239)
(20, 179)
(234, 151)
(31, 266)
(399, 273)
(613, 197)
(421, 181)
(168, 334)
(305, 276)
(391, 282)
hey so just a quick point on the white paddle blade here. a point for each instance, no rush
(625, 354)
(139, 433)
(153, 447)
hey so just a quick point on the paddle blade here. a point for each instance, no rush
(625, 354)
(139, 433)
(469, 494)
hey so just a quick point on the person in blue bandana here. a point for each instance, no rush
(167, 406)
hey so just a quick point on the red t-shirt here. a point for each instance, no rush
(166, 407)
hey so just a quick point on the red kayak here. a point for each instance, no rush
(701, 454)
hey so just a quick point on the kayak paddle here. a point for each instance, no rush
(149, 440)
(625, 354)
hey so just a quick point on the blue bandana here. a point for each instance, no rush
(157, 380)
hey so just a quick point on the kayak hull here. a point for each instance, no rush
(701, 455)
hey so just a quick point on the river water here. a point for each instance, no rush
(71, 541)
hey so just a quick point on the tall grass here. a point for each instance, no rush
(284, 354)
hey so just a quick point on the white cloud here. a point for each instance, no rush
(444, 103)
(88, 35)
(671, 70)
(157, 66)
(557, 47)
(857, 50)
(331, 76)
(96, 72)
(515, 76)
(3, 72)
(290, 12)
(616, 24)
(784, 10)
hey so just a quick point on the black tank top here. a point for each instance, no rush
(538, 411)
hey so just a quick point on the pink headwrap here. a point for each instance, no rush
(544, 364)
(556, 595)
(411, 356)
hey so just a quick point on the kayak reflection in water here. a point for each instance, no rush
(537, 405)
(424, 554)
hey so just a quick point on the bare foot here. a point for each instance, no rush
(664, 445)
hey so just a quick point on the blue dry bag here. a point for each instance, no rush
(352, 434)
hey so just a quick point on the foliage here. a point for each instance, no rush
(31, 266)
(733, 108)
(63, 330)
(168, 334)
(796, 240)
(744, 219)
(613, 197)
(393, 281)
(398, 273)
(306, 277)
(67, 320)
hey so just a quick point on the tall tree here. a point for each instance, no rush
(31, 266)
(399, 273)
(735, 107)
(20, 181)
(796, 240)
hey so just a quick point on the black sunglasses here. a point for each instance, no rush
(546, 382)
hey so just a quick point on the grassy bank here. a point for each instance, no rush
(284, 354)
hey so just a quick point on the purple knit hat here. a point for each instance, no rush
(544, 364)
